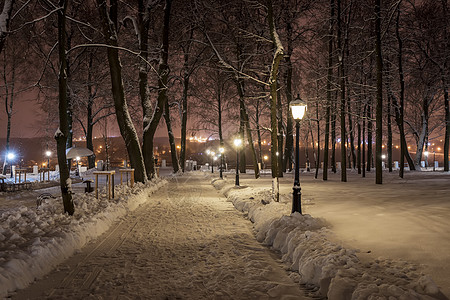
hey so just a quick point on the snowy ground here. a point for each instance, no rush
(400, 228)
(187, 241)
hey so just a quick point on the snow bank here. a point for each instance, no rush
(34, 241)
(330, 269)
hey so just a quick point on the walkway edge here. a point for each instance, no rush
(39, 240)
(334, 271)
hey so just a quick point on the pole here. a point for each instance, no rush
(297, 194)
(434, 161)
(237, 167)
(221, 166)
(212, 164)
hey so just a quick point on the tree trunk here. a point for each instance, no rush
(90, 121)
(333, 134)
(289, 145)
(363, 163)
(124, 120)
(329, 79)
(277, 56)
(163, 72)
(246, 126)
(184, 103)
(5, 19)
(318, 136)
(389, 132)
(369, 135)
(173, 148)
(404, 153)
(280, 134)
(342, 89)
(379, 108)
(62, 133)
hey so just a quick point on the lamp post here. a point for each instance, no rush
(10, 157)
(48, 153)
(208, 152)
(426, 153)
(298, 109)
(78, 166)
(237, 143)
(212, 161)
(434, 160)
(264, 161)
(221, 150)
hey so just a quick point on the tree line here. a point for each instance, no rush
(371, 71)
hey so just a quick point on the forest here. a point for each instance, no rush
(373, 73)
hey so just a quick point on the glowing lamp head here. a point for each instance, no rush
(78, 158)
(237, 142)
(11, 155)
(208, 152)
(266, 157)
(426, 153)
(215, 158)
(383, 156)
(221, 150)
(213, 153)
(48, 153)
(298, 108)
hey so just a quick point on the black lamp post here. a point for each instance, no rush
(221, 150)
(434, 160)
(11, 157)
(298, 109)
(48, 153)
(237, 143)
(212, 161)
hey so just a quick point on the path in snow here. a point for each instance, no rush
(186, 242)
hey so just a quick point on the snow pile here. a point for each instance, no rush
(330, 269)
(34, 241)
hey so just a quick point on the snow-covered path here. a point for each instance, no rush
(186, 242)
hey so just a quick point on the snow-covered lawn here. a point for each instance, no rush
(347, 216)
(33, 241)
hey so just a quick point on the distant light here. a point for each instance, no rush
(48, 153)
(208, 152)
(277, 153)
(426, 153)
(178, 147)
(266, 157)
(78, 158)
(383, 156)
(221, 150)
(215, 158)
(439, 149)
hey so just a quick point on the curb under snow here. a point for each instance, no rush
(33, 242)
(333, 271)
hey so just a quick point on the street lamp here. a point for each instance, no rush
(298, 109)
(48, 153)
(426, 153)
(10, 156)
(212, 160)
(221, 150)
(78, 166)
(434, 160)
(237, 143)
(264, 161)
(208, 152)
